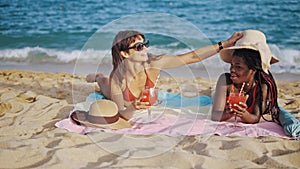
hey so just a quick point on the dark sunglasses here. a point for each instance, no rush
(139, 46)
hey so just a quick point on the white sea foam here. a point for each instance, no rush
(43, 55)
(289, 58)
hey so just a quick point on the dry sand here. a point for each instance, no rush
(31, 103)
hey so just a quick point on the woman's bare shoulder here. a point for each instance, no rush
(225, 79)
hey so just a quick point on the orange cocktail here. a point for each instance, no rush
(151, 96)
(236, 98)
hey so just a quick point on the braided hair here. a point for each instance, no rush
(253, 61)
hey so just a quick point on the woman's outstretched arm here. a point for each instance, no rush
(197, 55)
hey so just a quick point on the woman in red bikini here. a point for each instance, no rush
(134, 69)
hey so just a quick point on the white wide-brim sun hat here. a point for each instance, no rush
(101, 114)
(255, 40)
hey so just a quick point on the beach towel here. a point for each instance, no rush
(178, 116)
(176, 122)
(167, 99)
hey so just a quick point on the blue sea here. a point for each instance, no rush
(52, 35)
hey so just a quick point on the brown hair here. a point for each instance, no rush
(120, 43)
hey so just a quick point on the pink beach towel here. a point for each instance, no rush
(183, 124)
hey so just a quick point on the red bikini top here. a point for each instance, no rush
(127, 94)
(250, 108)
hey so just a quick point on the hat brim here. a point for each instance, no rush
(227, 53)
(80, 117)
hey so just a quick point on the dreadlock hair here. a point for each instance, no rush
(253, 60)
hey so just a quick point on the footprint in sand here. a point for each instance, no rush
(7, 94)
(4, 107)
(28, 97)
(10, 108)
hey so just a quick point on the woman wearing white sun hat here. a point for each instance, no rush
(250, 61)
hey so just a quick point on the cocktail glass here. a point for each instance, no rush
(149, 95)
(235, 99)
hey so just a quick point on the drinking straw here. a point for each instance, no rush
(242, 88)
(156, 81)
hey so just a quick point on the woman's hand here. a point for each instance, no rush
(232, 40)
(228, 110)
(138, 104)
(240, 110)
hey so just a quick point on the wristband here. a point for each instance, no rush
(220, 46)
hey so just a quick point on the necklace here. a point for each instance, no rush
(250, 86)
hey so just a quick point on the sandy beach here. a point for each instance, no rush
(32, 102)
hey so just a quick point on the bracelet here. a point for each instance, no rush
(220, 46)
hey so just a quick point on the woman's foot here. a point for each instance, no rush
(91, 78)
(102, 81)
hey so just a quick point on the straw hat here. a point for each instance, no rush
(102, 114)
(255, 40)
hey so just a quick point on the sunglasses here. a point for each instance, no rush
(140, 46)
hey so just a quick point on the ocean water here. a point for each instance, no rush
(66, 34)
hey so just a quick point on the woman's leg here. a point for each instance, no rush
(290, 124)
(102, 81)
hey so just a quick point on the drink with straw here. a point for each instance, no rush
(236, 98)
(149, 95)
